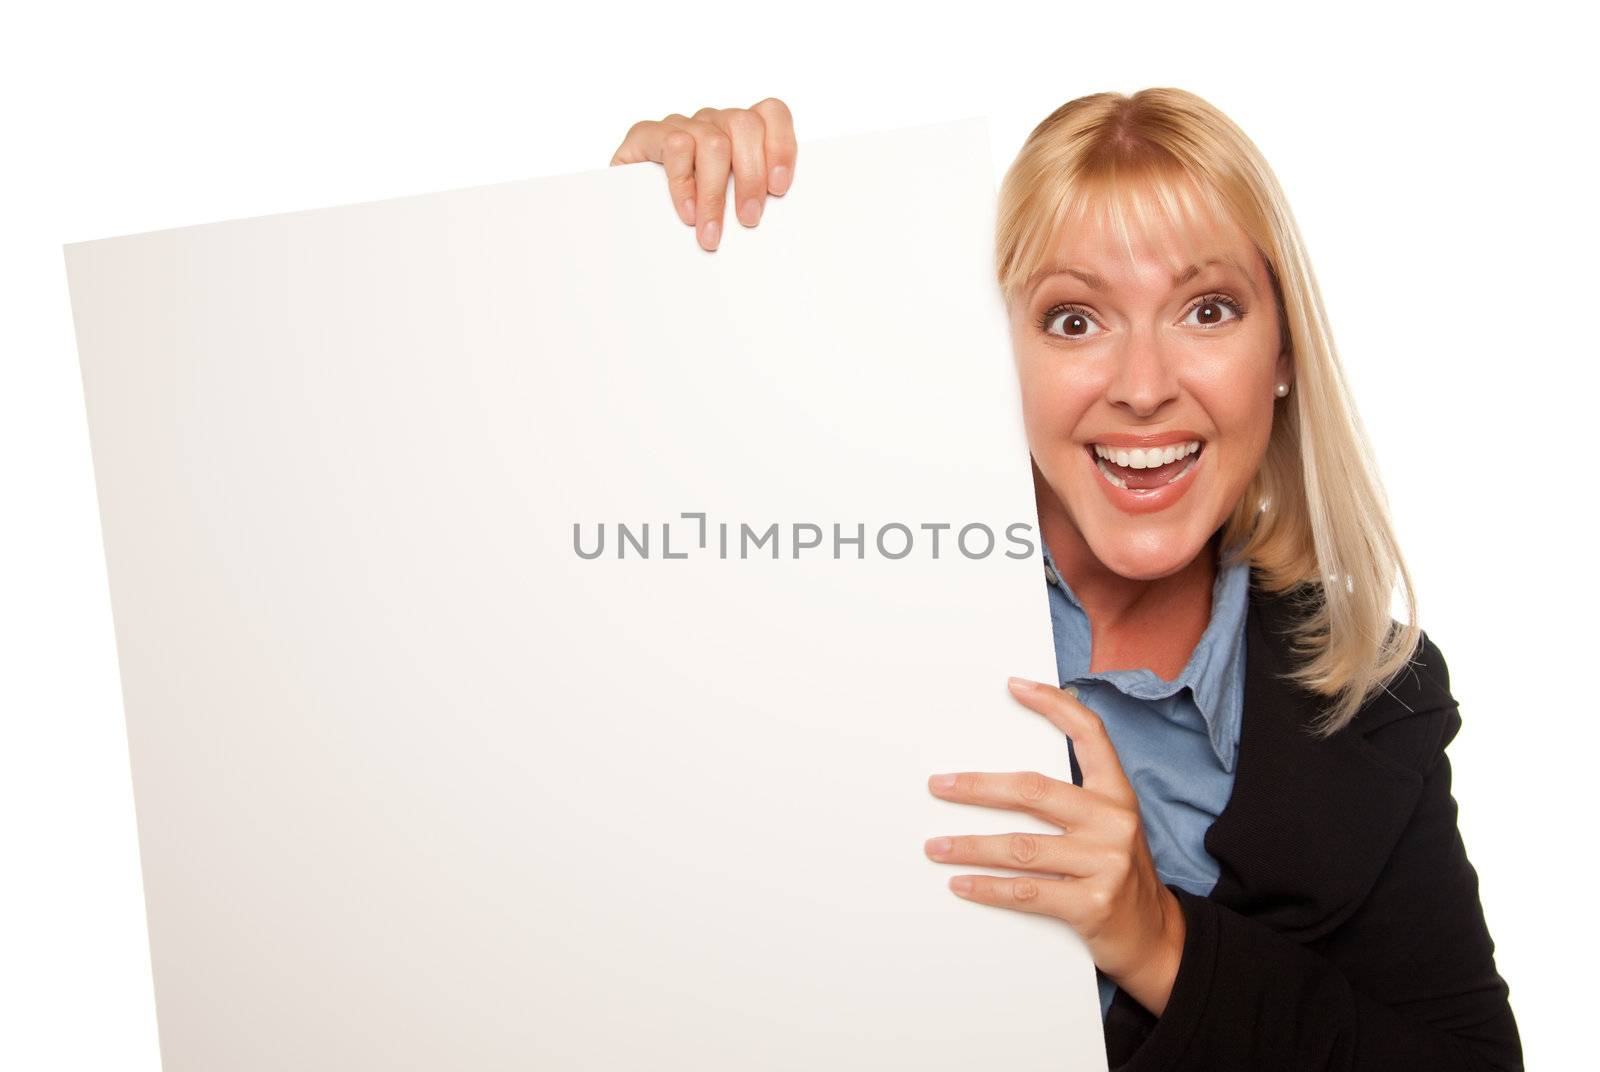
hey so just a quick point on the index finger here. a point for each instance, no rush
(1043, 797)
(669, 142)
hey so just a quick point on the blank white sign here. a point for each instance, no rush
(420, 786)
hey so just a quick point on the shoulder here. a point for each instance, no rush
(1415, 716)
(1410, 719)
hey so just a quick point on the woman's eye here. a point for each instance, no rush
(1074, 322)
(1070, 323)
(1214, 311)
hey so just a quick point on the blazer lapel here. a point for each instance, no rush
(1310, 821)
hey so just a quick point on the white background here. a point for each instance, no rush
(1436, 161)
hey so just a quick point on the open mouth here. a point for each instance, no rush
(1147, 468)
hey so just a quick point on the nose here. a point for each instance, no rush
(1145, 376)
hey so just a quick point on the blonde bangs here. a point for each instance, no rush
(1151, 204)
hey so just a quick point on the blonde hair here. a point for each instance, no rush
(1314, 520)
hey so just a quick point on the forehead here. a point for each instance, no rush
(1101, 244)
(1132, 225)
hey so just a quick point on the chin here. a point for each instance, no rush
(1142, 552)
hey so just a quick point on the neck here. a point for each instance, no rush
(1152, 623)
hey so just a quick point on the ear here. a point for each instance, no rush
(1284, 373)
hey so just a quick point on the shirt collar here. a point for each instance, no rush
(1215, 671)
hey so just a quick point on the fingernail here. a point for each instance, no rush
(961, 884)
(938, 846)
(1022, 684)
(708, 234)
(780, 179)
(750, 212)
(688, 210)
(942, 781)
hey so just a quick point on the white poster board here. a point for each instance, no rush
(419, 785)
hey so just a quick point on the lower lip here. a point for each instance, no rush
(1149, 500)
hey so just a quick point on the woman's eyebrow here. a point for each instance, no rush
(1095, 282)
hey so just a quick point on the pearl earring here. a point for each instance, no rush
(1283, 389)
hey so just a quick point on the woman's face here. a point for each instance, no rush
(1115, 356)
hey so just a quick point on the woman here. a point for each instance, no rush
(1259, 845)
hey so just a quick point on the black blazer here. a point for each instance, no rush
(1345, 930)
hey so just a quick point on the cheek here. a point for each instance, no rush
(1247, 432)
(1051, 406)
(1236, 391)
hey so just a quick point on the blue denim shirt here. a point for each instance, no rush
(1177, 740)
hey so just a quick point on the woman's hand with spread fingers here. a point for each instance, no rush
(1097, 876)
(756, 143)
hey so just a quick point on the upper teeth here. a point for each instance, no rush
(1139, 458)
